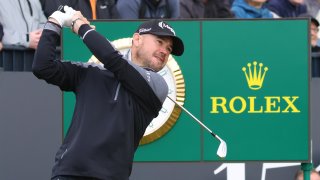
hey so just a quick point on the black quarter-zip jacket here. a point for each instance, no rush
(114, 106)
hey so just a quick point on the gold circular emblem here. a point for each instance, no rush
(169, 112)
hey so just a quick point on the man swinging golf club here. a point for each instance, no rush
(114, 103)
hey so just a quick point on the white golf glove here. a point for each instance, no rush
(64, 19)
(70, 12)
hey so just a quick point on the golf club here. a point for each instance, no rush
(222, 149)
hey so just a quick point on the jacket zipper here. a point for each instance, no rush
(117, 92)
(64, 153)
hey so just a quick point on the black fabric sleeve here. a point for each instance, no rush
(45, 66)
(130, 78)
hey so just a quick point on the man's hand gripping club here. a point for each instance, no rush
(64, 19)
(69, 18)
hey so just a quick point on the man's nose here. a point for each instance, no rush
(165, 50)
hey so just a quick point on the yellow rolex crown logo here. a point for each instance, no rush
(255, 78)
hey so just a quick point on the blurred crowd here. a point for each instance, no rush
(21, 21)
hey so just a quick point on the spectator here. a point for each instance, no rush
(204, 9)
(314, 29)
(314, 175)
(313, 7)
(287, 8)
(144, 9)
(315, 49)
(22, 22)
(228, 3)
(250, 9)
(49, 6)
(1, 35)
(92, 9)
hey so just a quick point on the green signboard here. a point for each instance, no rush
(255, 88)
(247, 80)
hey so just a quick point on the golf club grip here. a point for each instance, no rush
(60, 8)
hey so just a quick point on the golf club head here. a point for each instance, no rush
(222, 149)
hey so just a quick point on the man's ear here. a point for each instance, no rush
(135, 39)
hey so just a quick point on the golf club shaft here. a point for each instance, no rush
(214, 135)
